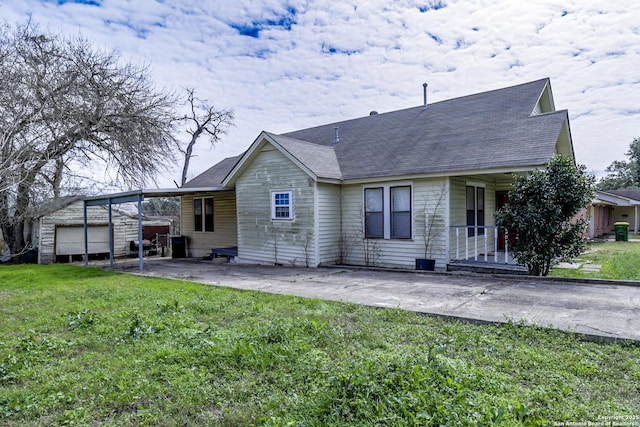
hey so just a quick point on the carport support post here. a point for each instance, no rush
(86, 237)
(140, 245)
(110, 236)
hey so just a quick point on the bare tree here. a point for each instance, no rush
(203, 118)
(65, 106)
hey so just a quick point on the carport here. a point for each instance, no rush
(135, 196)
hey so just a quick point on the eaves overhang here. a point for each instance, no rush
(135, 195)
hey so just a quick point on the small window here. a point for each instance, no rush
(281, 207)
(203, 214)
(401, 212)
(373, 212)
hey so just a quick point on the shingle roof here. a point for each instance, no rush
(320, 159)
(214, 175)
(487, 130)
(49, 206)
(630, 194)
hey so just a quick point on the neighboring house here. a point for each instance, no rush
(58, 230)
(611, 206)
(368, 191)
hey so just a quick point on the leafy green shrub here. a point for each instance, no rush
(540, 214)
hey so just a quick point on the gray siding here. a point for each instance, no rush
(329, 223)
(431, 223)
(224, 233)
(398, 253)
(261, 239)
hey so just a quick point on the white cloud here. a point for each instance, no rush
(304, 63)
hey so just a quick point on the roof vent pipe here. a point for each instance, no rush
(424, 90)
(336, 135)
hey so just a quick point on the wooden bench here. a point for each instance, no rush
(226, 252)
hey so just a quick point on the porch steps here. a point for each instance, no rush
(486, 267)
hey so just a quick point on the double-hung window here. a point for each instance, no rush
(374, 212)
(203, 214)
(281, 205)
(475, 210)
(401, 212)
(387, 212)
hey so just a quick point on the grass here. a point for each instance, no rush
(81, 346)
(619, 261)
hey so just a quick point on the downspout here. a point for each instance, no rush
(341, 237)
(316, 225)
(447, 224)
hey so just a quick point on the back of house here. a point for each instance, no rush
(381, 190)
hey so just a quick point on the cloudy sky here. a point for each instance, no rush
(282, 65)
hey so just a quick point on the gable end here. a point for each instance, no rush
(545, 103)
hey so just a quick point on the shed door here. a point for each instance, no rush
(70, 240)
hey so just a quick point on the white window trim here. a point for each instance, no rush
(386, 208)
(273, 205)
(203, 222)
(476, 185)
(470, 183)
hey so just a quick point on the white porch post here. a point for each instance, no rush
(475, 243)
(506, 246)
(140, 245)
(484, 236)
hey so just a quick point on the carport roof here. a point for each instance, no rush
(135, 195)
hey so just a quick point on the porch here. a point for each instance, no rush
(481, 249)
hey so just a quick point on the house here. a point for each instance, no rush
(57, 232)
(372, 190)
(611, 206)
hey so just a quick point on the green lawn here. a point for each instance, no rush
(619, 260)
(81, 346)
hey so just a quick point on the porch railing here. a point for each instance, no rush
(469, 239)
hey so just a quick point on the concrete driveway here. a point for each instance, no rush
(598, 309)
